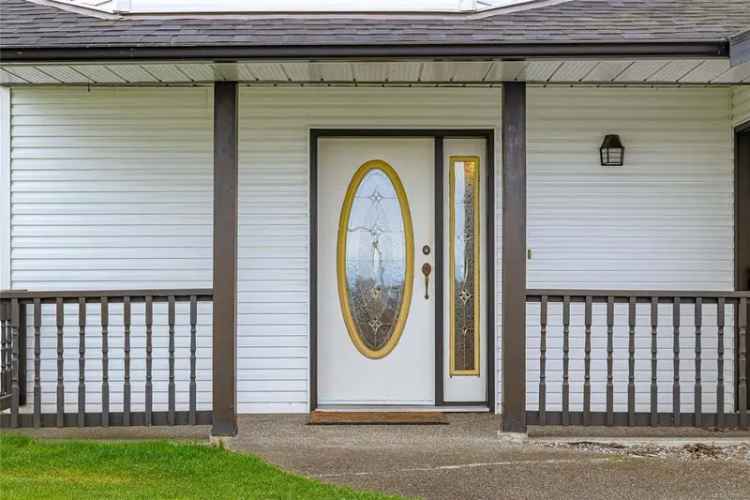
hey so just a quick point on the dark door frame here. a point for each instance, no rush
(439, 136)
(741, 229)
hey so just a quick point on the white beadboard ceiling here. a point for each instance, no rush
(683, 71)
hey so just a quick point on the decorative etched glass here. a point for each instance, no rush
(375, 261)
(464, 265)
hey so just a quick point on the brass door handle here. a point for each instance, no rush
(426, 270)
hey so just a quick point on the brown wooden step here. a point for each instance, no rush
(319, 417)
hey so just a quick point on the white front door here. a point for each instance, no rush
(376, 310)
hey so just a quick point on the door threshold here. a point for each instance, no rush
(404, 408)
(320, 417)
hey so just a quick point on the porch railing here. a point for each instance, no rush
(627, 327)
(16, 332)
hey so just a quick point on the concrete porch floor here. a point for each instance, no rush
(467, 459)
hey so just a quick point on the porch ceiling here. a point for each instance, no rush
(588, 71)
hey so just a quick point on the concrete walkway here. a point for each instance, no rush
(468, 460)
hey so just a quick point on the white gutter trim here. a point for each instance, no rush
(77, 8)
(119, 9)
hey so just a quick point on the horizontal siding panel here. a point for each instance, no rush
(176, 241)
(198, 177)
(268, 341)
(178, 276)
(107, 185)
(187, 128)
(111, 253)
(272, 330)
(663, 221)
(276, 375)
(126, 120)
(115, 164)
(113, 264)
(118, 231)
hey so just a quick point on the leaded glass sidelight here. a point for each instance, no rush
(464, 265)
(375, 259)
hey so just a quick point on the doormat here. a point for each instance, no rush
(377, 418)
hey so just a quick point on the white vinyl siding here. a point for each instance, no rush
(4, 188)
(112, 189)
(741, 105)
(663, 221)
(273, 321)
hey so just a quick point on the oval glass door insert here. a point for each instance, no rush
(375, 259)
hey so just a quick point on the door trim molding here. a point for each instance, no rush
(439, 249)
(438, 135)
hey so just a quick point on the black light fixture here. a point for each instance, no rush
(612, 151)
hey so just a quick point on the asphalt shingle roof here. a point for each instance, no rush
(25, 24)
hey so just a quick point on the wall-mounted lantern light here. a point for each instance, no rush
(612, 151)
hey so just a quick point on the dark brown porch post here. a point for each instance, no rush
(225, 259)
(514, 257)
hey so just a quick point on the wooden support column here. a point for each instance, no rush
(226, 201)
(742, 228)
(514, 256)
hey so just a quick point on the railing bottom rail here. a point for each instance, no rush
(94, 419)
(639, 419)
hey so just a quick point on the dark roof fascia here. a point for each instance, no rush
(739, 49)
(675, 50)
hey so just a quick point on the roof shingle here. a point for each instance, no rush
(24, 24)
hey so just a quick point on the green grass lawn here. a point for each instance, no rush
(39, 469)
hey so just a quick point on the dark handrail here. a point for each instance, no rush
(116, 296)
(641, 296)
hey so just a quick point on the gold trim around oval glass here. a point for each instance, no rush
(403, 314)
